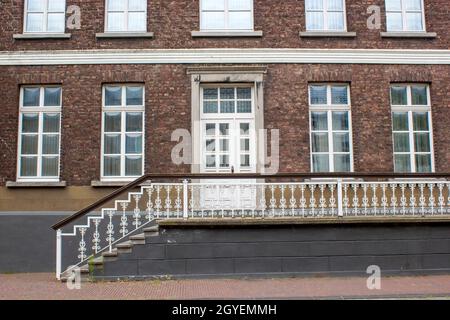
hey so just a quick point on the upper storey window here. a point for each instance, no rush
(126, 15)
(226, 15)
(45, 16)
(325, 15)
(405, 15)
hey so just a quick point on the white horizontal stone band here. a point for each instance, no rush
(214, 56)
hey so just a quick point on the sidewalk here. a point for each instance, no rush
(45, 286)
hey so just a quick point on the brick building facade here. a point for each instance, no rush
(82, 62)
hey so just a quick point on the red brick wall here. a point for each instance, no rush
(172, 22)
(168, 107)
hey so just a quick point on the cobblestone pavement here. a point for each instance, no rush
(45, 286)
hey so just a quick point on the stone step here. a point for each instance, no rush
(138, 239)
(151, 231)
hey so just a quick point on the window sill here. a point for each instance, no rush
(218, 34)
(327, 34)
(31, 36)
(111, 184)
(106, 35)
(36, 184)
(407, 34)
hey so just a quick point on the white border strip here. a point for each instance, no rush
(200, 56)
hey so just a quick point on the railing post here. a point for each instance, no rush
(340, 199)
(58, 253)
(185, 199)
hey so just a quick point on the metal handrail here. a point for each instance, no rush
(181, 176)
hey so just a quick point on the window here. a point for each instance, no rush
(226, 15)
(411, 126)
(45, 16)
(405, 15)
(227, 100)
(126, 15)
(330, 122)
(325, 15)
(123, 131)
(39, 133)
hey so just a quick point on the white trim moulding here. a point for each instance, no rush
(218, 56)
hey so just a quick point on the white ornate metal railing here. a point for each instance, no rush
(246, 199)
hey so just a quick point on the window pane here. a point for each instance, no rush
(318, 94)
(341, 162)
(133, 143)
(135, 96)
(30, 122)
(112, 144)
(245, 160)
(393, 5)
(320, 142)
(244, 93)
(227, 93)
(36, 5)
(224, 161)
(50, 144)
(111, 166)
(419, 95)
(245, 128)
(240, 20)
(245, 144)
(213, 20)
(31, 97)
(35, 22)
(423, 163)
(56, 22)
(51, 122)
(401, 142)
(210, 107)
(113, 96)
(340, 120)
(422, 142)
(394, 22)
(210, 129)
(116, 21)
(52, 97)
(319, 121)
(213, 4)
(211, 145)
(116, 5)
(227, 107)
(28, 166)
(413, 4)
(402, 163)
(341, 142)
(240, 4)
(314, 4)
(56, 5)
(134, 122)
(224, 129)
(210, 94)
(335, 5)
(339, 95)
(133, 166)
(29, 144)
(50, 166)
(321, 163)
(137, 21)
(244, 106)
(314, 21)
(224, 145)
(420, 121)
(398, 95)
(400, 121)
(414, 21)
(137, 5)
(335, 21)
(112, 122)
(210, 161)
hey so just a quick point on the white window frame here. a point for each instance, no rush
(126, 18)
(330, 108)
(403, 12)
(409, 108)
(226, 13)
(324, 12)
(40, 110)
(45, 20)
(123, 109)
